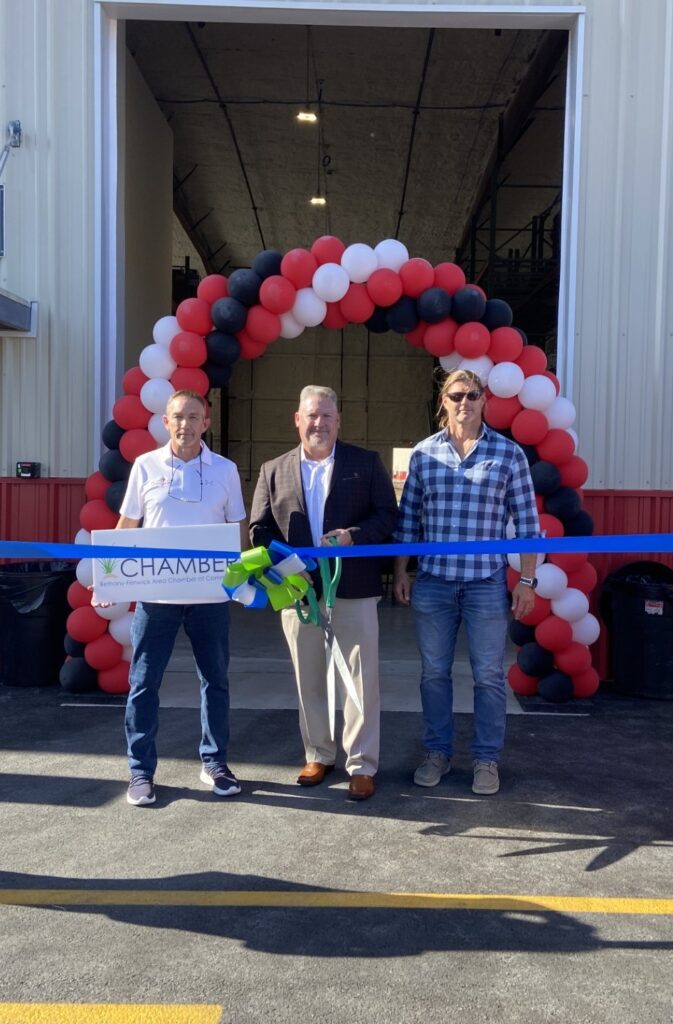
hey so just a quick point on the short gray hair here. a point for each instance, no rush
(317, 391)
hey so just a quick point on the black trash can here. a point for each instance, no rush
(637, 607)
(33, 612)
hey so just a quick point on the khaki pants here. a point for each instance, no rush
(356, 627)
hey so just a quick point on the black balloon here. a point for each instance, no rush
(74, 648)
(228, 315)
(434, 305)
(223, 349)
(114, 466)
(530, 451)
(267, 263)
(403, 315)
(521, 634)
(218, 376)
(564, 503)
(581, 525)
(244, 285)
(556, 687)
(524, 336)
(378, 321)
(112, 434)
(546, 477)
(497, 314)
(467, 304)
(535, 660)
(114, 495)
(77, 676)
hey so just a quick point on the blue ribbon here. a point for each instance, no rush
(623, 543)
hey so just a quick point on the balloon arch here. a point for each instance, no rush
(435, 309)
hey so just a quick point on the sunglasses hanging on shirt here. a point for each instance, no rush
(186, 483)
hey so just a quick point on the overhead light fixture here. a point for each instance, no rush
(318, 201)
(307, 115)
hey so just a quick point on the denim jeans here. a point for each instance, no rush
(153, 633)
(440, 606)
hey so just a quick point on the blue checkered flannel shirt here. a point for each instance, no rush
(446, 499)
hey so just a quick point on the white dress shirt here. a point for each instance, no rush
(316, 478)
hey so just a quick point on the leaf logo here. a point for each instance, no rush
(108, 567)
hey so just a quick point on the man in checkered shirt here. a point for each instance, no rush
(463, 485)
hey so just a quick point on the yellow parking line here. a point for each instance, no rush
(339, 900)
(102, 1013)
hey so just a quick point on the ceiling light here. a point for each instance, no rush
(318, 201)
(307, 117)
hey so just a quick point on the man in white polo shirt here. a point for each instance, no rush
(181, 484)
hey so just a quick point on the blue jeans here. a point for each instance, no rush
(440, 606)
(153, 633)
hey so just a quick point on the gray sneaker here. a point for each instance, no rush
(431, 769)
(140, 791)
(486, 779)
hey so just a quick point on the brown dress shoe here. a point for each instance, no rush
(313, 773)
(361, 787)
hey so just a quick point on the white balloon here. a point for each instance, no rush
(359, 261)
(156, 361)
(113, 611)
(572, 605)
(538, 392)
(157, 429)
(127, 653)
(586, 630)
(506, 380)
(551, 581)
(330, 282)
(165, 330)
(481, 366)
(154, 394)
(120, 629)
(515, 560)
(308, 309)
(82, 537)
(289, 328)
(561, 413)
(391, 254)
(84, 572)
(450, 362)
(510, 529)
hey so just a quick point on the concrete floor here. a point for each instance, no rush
(149, 914)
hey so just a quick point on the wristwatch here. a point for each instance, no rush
(529, 581)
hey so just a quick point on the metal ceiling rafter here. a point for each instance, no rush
(412, 136)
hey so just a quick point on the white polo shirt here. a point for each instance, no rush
(163, 490)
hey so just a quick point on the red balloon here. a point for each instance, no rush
(95, 515)
(438, 339)
(78, 596)
(133, 380)
(553, 634)
(135, 443)
(586, 683)
(500, 412)
(529, 426)
(513, 578)
(574, 472)
(356, 304)
(299, 266)
(538, 613)
(550, 525)
(328, 249)
(506, 345)
(115, 679)
(96, 485)
(334, 318)
(554, 379)
(569, 561)
(584, 578)
(539, 502)
(472, 340)
(277, 294)
(416, 275)
(104, 652)
(417, 336)
(85, 625)
(557, 447)
(262, 326)
(450, 277)
(190, 378)
(194, 315)
(188, 349)
(532, 360)
(524, 685)
(129, 413)
(212, 288)
(250, 349)
(384, 287)
(573, 659)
